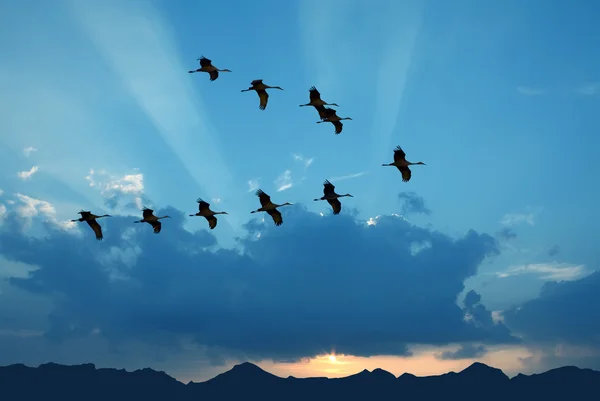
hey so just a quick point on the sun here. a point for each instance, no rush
(332, 358)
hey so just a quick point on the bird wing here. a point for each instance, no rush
(406, 174)
(212, 221)
(322, 112)
(204, 62)
(314, 94)
(264, 98)
(214, 74)
(156, 225)
(202, 205)
(399, 154)
(336, 205)
(147, 212)
(327, 187)
(328, 113)
(338, 127)
(263, 197)
(96, 227)
(276, 215)
(256, 82)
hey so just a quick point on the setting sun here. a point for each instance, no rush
(332, 358)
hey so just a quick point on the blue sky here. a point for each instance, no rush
(98, 112)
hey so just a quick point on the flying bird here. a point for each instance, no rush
(150, 218)
(261, 90)
(206, 66)
(315, 99)
(90, 218)
(401, 163)
(331, 197)
(209, 215)
(269, 207)
(330, 115)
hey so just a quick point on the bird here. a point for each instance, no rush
(329, 115)
(150, 218)
(261, 90)
(269, 207)
(331, 197)
(90, 218)
(206, 66)
(315, 99)
(209, 215)
(401, 163)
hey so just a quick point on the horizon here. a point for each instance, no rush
(488, 253)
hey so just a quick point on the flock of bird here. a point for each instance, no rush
(326, 114)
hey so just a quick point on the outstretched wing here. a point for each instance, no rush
(264, 99)
(147, 212)
(338, 127)
(156, 225)
(204, 62)
(256, 82)
(327, 113)
(276, 215)
(314, 94)
(322, 112)
(336, 205)
(212, 221)
(406, 174)
(328, 188)
(202, 205)
(96, 227)
(263, 197)
(399, 154)
(214, 74)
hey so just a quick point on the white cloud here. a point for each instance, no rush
(28, 150)
(216, 201)
(2, 210)
(529, 91)
(301, 159)
(348, 177)
(114, 187)
(253, 184)
(589, 89)
(26, 175)
(548, 271)
(29, 207)
(284, 181)
(512, 219)
(1, 192)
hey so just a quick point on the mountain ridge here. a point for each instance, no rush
(245, 379)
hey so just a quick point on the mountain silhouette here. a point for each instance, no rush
(247, 381)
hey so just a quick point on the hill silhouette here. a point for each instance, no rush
(249, 382)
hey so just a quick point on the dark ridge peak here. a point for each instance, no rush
(249, 368)
(244, 372)
(52, 365)
(407, 375)
(382, 374)
(481, 371)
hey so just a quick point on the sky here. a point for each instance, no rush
(488, 254)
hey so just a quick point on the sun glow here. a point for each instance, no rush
(332, 358)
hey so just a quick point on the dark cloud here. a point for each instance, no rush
(466, 351)
(413, 203)
(313, 284)
(564, 312)
(554, 250)
(507, 234)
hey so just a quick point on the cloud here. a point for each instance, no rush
(253, 184)
(301, 159)
(287, 302)
(26, 175)
(118, 188)
(348, 177)
(507, 234)
(28, 150)
(547, 271)
(565, 312)
(466, 351)
(529, 91)
(1, 192)
(27, 208)
(413, 203)
(284, 181)
(589, 89)
(513, 219)
(554, 250)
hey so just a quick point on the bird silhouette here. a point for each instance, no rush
(149, 217)
(402, 164)
(315, 99)
(261, 90)
(206, 66)
(269, 207)
(331, 197)
(209, 215)
(90, 218)
(330, 115)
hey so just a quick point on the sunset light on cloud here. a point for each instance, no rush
(488, 253)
